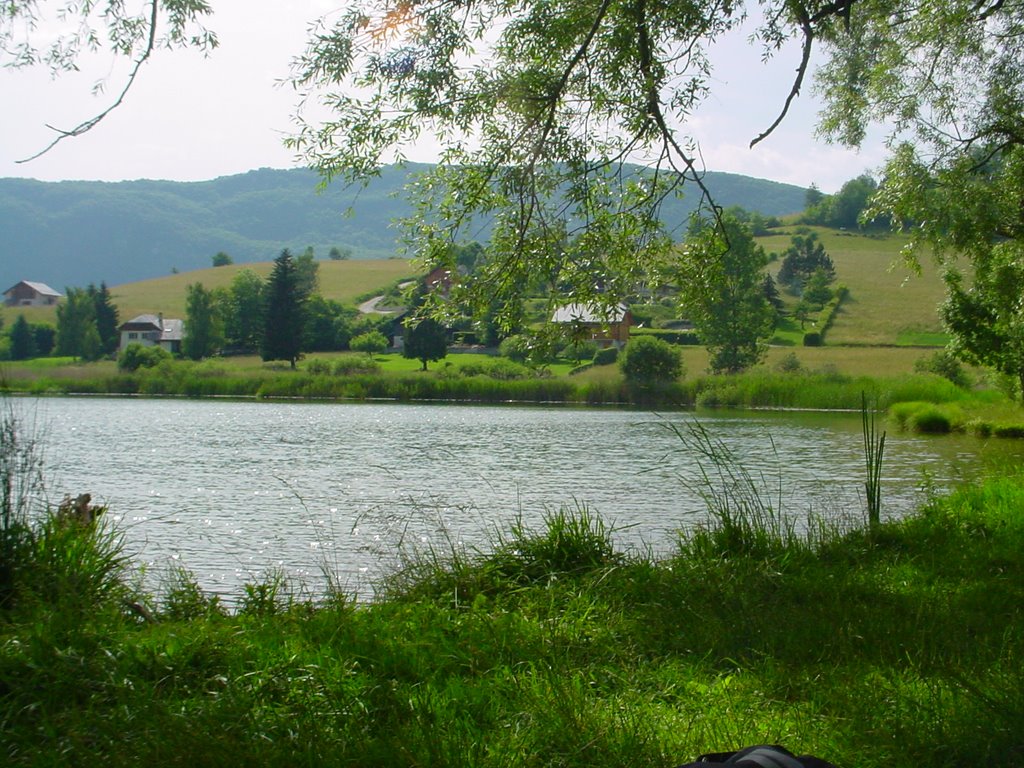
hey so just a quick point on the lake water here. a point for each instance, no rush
(232, 489)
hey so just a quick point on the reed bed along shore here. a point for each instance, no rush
(916, 401)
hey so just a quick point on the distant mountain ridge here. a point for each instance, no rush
(72, 233)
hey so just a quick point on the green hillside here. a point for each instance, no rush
(73, 233)
(887, 304)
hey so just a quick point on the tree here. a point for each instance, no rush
(283, 312)
(816, 292)
(107, 321)
(426, 341)
(308, 272)
(813, 196)
(650, 362)
(221, 259)
(805, 255)
(76, 326)
(243, 313)
(204, 328)
(23, 343)
(721, 289)
(339, 254)
(537, 105)
(986, 319)
(371, 342)
(327, 326)
(133, 31)
(45, 338)
(772, 296)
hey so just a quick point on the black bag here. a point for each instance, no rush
(760, 756)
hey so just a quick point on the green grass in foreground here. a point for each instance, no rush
(897, 647)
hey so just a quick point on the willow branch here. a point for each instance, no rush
(92, 122)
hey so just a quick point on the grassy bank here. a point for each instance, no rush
(896, 647)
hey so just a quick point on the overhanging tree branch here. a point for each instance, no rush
(88, 125)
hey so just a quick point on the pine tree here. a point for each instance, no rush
(23, 342)
(106, 318)
(284, 312)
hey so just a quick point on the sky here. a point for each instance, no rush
(190, 118)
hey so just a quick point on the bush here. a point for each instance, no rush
(943, 364)
(516, 348)
(649, 361)
(606, 356)
(683, 338)
(789, 364)
(351, 364)
(813, 339)
(584, 350)
(502, 369)
(318, 367)
(137, 356)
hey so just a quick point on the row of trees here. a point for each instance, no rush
(280, 317)
(336, 253)
(285, 316)
(87, 328)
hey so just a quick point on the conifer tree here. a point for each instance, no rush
(284, 312)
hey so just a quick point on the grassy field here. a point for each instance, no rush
(342, 281)
(887, 303)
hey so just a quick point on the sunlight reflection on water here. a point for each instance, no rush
(232, 489)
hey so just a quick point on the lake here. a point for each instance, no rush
(231, 490)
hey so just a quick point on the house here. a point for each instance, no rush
(28, 294)
(606, 326)
(153, 330)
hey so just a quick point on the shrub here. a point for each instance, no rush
(584, 350)
(351, 364)
(137, 356)
(943, 364)
(813, 339)
(185, 600)
(606, 356)
(650, 361)
(789, 364)
(932, 420)
(516, 348)
(317, 367)
(683, 338)
(573, 542)
(502, 369)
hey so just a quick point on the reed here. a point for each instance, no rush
(874, 449)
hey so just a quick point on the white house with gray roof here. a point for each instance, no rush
(153, 331)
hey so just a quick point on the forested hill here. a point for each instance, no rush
(72, 233)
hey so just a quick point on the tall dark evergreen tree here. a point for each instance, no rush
(107, 320)
(23, 342)
(283, 312)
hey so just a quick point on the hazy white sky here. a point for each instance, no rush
(190, 118)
